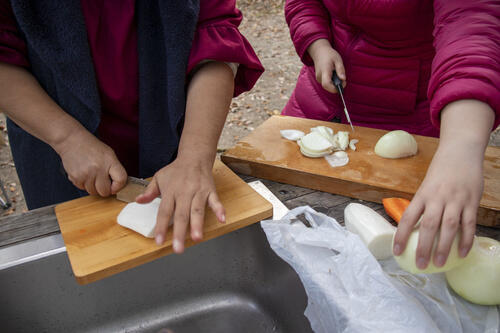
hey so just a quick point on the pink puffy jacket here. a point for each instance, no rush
(404, 59)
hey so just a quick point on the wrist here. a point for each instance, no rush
(317, 47)
(66, 137)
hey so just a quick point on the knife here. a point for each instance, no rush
(338, 84)
(134, 187)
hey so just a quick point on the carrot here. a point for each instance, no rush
(395, 207)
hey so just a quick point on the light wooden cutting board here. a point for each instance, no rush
(98, 247)
(265, 154)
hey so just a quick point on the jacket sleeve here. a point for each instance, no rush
(12, 45)
(308, 21)
(217, 38)
(467, 60)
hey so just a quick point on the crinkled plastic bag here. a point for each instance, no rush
(350, 291)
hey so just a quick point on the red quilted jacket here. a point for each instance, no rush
(404, 59)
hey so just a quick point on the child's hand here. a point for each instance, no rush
(449, 196)
(185, 186)
(326, 60)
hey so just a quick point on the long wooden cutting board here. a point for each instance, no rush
(265, 154)
(98, 247)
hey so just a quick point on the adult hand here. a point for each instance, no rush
(90, 164)
(326, 60)
(185, 186)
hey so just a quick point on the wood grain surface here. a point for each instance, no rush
(265, 154)
(98, 247)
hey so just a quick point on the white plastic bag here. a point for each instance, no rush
(348, 291)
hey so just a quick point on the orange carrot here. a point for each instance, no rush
(395, 207)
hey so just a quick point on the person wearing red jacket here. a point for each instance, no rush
(430, 67)
(98, 90)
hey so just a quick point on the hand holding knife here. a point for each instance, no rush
(338, 84)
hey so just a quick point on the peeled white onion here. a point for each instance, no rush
(478, 278)
(291, 134)
(352, 144)
(140, 217)
(396, 144)
(373, 229)
(407, 260)
(337, 159)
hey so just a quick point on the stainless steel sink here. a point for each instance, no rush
(234, 283)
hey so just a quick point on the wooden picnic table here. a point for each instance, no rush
(42, 222)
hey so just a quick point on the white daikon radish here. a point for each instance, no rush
(352, 144)
(140, 217)
(407, 260)
(396, 144)
(291, 134)
(478, 278)
(337, 159)
(374, 230)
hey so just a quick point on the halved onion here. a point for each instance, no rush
(478, 278)
(396, 144)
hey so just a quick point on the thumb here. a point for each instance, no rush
(339, 68)
(152, 192)
(118, 177)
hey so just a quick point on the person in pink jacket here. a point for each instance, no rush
(428, 67)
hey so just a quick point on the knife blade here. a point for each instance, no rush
(134, 187)
(338, 84)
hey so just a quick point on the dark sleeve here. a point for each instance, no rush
(12, 45)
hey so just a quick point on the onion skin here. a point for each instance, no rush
(407, 260)
(396, 144)
(478, 278)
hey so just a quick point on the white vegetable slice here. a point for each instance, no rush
(309, 153)
(396, 144)
(407, 260)
(337, 159)
(291, 134)
(478, 278)
(374, 230)
(140, 217)
(352, 144)
(316, 143)
(326, 132)
(341, 140)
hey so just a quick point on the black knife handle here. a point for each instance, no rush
(337, 82)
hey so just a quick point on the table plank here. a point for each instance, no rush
(42, 222)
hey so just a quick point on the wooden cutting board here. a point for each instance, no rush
(265, 154)
(98, 247)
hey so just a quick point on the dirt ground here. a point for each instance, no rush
(265, 27)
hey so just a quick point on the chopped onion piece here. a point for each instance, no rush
(316, 143)
(291, 134)
(337, 159)
(352, 144)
